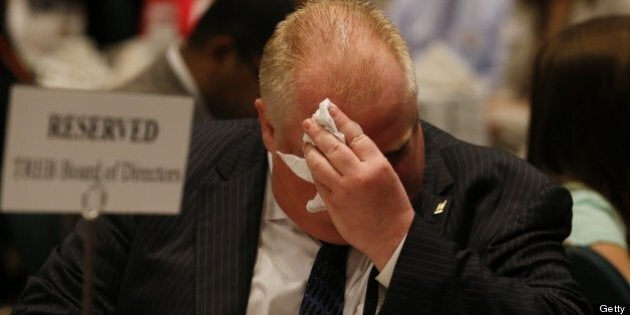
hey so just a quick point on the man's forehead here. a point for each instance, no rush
(355, 77)
(390, 126)
(374, 93)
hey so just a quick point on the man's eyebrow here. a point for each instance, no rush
(401, 145)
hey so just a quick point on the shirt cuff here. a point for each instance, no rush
(385, 276)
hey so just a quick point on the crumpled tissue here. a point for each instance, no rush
(298, 164)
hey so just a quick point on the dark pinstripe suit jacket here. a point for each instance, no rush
(496, 247)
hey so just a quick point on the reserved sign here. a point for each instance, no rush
(60, 142)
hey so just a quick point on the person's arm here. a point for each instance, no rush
(616, 255)
(57, 288)
(596, 224)
(372, 218)
(520, 268)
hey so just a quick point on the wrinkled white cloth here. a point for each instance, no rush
(298, 164)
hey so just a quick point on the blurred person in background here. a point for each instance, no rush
(532, 23)
(50, 35)
(470, 28)
(218, 62)
(580, 130)
(458, 50)
(84, 44)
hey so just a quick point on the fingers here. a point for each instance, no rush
(345, 159)
(345, 125)
(340, 155)
(323, 173)
(360, 144)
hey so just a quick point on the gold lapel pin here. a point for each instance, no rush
(440, 207)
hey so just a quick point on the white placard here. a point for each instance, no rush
(59, 142)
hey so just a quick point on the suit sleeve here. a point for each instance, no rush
(520, 269)
(57, 288)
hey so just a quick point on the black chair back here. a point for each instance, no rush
(600, 281)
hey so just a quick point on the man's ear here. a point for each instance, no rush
(265, 125)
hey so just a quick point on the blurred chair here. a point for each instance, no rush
(600, 282)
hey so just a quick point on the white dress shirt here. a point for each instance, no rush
(284, 260)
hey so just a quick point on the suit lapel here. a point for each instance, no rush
(228, 225)
(434, 202)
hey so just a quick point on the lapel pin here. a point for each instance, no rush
(440, 207)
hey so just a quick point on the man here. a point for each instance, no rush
(434, 225)
(218, 63)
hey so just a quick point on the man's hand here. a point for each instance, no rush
(365, 198)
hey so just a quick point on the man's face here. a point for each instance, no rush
(389, 118)
(396, 133)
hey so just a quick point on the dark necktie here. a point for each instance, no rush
(327, 282)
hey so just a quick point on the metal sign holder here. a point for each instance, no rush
(90, 211)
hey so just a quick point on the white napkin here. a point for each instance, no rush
(298, 164)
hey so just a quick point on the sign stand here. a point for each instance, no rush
(90, 212)
(93, 152)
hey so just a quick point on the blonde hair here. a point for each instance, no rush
(319, 30)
